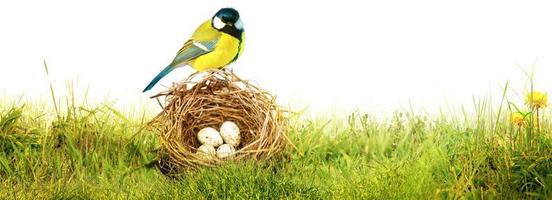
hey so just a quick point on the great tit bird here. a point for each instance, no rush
(215, 44)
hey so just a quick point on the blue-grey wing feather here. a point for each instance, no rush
(193, 49)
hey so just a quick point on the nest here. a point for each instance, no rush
(220, 96)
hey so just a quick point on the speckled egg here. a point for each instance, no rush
(209, 136)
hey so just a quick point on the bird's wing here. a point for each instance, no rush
(193, 49)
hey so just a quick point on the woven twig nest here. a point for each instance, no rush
(220, 96)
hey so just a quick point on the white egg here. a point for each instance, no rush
(209, 136)
(206, 151)
(230, 133)
(225, 151)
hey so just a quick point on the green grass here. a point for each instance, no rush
(70, 150)
(96, 152)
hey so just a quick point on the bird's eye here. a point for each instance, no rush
(217, 23)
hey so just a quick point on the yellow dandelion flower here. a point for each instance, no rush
(517, 118)
(536, 99)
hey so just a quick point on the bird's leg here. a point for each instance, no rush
(212, 71)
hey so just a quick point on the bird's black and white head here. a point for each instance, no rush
(228, 21)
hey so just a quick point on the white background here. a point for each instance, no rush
(372, 55)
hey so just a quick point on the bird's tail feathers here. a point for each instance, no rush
(159, 76)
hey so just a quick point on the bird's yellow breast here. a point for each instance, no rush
(226, 50)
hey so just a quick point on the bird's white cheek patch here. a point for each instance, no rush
(217, 23)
